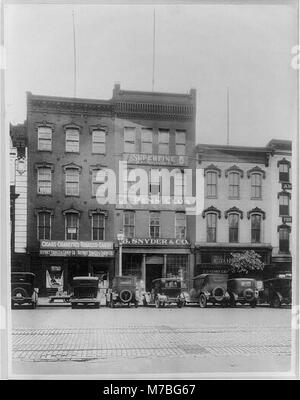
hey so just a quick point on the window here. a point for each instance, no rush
(163, 141)
(96, 181)
(233, 228)
(154, 183)
(179, 191)
(98, 228)
(44, 138)
(129, 224)
(284, 204)
(72, 182)
(284, 239)
(284, 172)
(180, 143)
(98, 137)
(72, 226)
(211, 221)
(129, 140)
(255, 228)
(43, 225)
(154, 225)
(44, 180)
(256, 186)
(146, 141)
(211, 184)
(177, 266)
(234, 185)
(180, 225)
(72, 140)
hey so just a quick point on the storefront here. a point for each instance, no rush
(62, 260)
(148, 259)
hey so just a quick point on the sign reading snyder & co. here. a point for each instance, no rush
(154, 242)
(76, 248)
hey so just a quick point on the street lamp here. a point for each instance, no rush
(120, 237)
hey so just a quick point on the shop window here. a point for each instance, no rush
(211, 184)
(211, 226)
(256, 186)
(180, 142)
(72, 181)
(129, 140)
(146, 141)
(44, 138)
(233, 228)
(255, 228)
(97, 180)
(129, 224)
(234, 185)
(154, 225)
(72, 140)
(177, 266)
(284, 204)
(163, 141)
(284, 239)
(72, 226)
(44, 225)
(99, 137)
(44, 180)
(180, 225)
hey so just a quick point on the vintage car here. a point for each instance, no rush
(85, 291)
(277, 291)
(209, 288)
(123, 291)
(166, 291)
(243, 291)
(23, 290)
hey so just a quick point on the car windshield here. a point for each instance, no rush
(246, 283)
(125, 281)
(172, 284)
(217, 279)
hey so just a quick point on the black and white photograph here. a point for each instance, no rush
(150, 198)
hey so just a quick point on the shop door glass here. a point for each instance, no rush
(153, 271)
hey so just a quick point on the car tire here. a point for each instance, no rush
(202, 301)
(20, 290)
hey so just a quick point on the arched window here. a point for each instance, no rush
(233, 220)
(211, 227)
(256, 215)
(98, 224)
(44, 138)
(284, 203)
(284, 170)
(71, 224)
(72, 139)
(234, 185)
(256, 186)
(44, 217)
(284, 238)
(44, 179)
(72, 172)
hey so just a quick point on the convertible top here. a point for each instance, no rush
(212, 274)
(85, 278)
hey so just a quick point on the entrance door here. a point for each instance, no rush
(153, 271)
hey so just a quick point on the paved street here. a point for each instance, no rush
(165, 341)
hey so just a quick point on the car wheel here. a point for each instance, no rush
(202, 301)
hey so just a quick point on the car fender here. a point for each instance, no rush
(161, 297)
(279, 295)
(235, 295)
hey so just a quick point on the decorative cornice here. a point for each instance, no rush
(256, 170)
(72, 166)
(212, 168)
(72, 125)
(284, 226)
(288, 194)
(211, 209)
(98, 211)
(284, 161)
(71, 211)
(234, 210)
(99, 127)
(234, 168)
(256, 210)
(43, 164)
(44, 210)
(96, 167)
(44, 124)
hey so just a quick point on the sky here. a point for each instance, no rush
(246, 48)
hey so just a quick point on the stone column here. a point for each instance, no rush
(164, 271)
(144, 271)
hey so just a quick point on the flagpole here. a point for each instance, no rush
(153, 51)
(74, 52)
(228, 121)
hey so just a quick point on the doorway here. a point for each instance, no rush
(153, 271)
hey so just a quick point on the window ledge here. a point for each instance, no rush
(72, 152)
(256, 198)
(233, 198)
(72, 195)
(41, 194)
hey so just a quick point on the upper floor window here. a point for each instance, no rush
(146, 140)
(72, 181)
(72, 140)
(180, 142)
(44, 138)
(71, 226)
(211, 227)
(284, 239)
(129, 224)
(98, 226)
(99, 137)
(154, 224)
(211, 184)
(234, 185)
(284, 170)
(256, 186)
(284, 203)
(179, 185)
(163, 141)
(233, 228)
(255, 228)
(44, 180)
(97, 179)
(180, 225)
(44, 225)
(129, 140)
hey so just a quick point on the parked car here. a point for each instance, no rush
(23, 290)
(243, 291)
(209, 288)
(165, 291)
(123, 291)
(277, 291)
(85, 291)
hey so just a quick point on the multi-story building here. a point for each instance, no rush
(246, 206)
(70, 232)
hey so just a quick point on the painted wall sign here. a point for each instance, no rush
(151, 159)
(286, 220)
(286, 186)
(76, 244)
(154, 242)
(76, 253)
